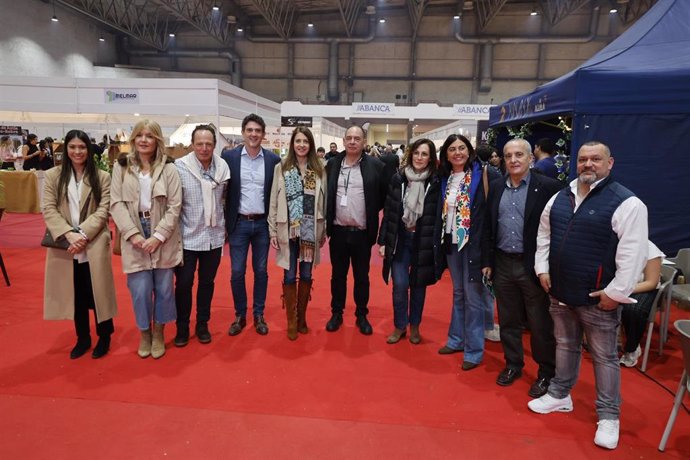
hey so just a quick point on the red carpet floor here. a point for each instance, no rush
(326, 395)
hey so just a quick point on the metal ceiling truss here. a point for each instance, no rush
(200, 14)
(486, 10)
(349, 10)
(134, 18)
(416, 10)
(557, 10)
(632, 10)
(280, 14)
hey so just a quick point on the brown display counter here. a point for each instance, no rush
(21, 191)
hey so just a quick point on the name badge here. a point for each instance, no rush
(343, 200)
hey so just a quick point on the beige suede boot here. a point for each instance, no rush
(158, 342)
(145, 344)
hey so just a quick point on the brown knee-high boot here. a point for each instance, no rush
(303, 296)
(290, 306)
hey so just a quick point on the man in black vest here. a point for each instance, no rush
(515, 204)
(591, 248)
(356, 192)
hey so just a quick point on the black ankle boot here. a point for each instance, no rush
(80, 348)
(102, 347)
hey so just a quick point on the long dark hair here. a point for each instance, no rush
(445, 168)
(313, 161)
(90, 170)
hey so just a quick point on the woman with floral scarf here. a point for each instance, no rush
(463, 193)
(296, 223)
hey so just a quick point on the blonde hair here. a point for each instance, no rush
(155, 129)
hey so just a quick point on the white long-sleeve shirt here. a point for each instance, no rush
(629, 222)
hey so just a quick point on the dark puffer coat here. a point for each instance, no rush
(427, 260)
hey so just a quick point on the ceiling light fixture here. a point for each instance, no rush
(215, 8)
(534, 12)
(54, 18)
(382, 21)
(240, 29)
(101, 39)
(613, 10)
(171, 35)
(311, 24)
(457, 16)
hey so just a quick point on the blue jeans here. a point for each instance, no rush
(467, 320)
(408, 302)
(153, 296)
(246, 233)
(600, 326)
(290, 276)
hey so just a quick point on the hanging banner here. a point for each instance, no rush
(121, 96)
(292, 122)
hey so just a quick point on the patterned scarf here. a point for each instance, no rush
(301, 201)
(462, 209)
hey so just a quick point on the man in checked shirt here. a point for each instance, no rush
(204, 177)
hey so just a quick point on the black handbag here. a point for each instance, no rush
(49, 242)
(61, 242)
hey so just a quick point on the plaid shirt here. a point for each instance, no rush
(196, 236)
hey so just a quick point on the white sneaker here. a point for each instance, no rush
(607, 434)
(547, 404)
(630, 359)
(493, 335)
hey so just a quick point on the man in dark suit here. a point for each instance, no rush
(356, 192)
(246, 205)
(515, 204)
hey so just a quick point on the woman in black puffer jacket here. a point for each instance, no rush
(409, 236)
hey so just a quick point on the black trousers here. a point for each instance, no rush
(83, 302)
(634, 318)
(347, 248)
(208, 262)
(519, 296)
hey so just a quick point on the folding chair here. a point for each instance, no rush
(662, 303)
(682, 326)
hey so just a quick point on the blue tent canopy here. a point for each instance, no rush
(634, 95)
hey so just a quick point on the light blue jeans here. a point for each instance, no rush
(467, 320)
(153, 296)
(600, 326)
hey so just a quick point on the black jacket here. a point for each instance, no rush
(539, 190)
(425, 259)
(374, 192)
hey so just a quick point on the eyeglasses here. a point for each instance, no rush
(208, 176)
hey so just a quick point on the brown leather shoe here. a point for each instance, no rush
(260, 325)
(396, 336)
(237, 325)
(446, 350)
(415, 338)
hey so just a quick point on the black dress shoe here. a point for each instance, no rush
(260, 325)
(468, 366)
(202, 333)
(508, 376)
(446, 350)
(364, 326)
(334, 323)
(237, 326)
(539, 387)
(80, 348)
(182, 336)
(102, 347)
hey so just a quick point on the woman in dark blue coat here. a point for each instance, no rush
(463, 189)
(408, 236)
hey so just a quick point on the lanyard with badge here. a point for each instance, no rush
(346, 181)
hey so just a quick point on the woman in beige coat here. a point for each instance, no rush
(296, 223)
(76, 197)
(146, 202)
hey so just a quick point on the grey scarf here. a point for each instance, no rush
(413, 201)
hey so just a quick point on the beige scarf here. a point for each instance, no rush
(414, 196)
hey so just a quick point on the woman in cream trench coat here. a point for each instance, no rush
(301, 157)
(59, 295)
(146, 203)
